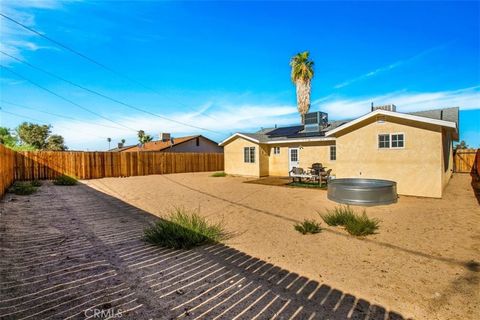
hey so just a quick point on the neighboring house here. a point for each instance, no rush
(197, 143)
(414, 149)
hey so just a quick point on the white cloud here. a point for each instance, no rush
(226, 118)
(344, 108)
(16, 39)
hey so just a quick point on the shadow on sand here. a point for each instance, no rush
(68, 251)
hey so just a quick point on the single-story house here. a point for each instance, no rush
(414, 149)
(166, 143)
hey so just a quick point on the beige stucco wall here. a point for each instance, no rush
(234, 161)
(309, 153)
(417, 168)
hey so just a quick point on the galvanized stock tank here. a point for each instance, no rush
(365, 192)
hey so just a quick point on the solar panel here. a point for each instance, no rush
(285, 131)
(307, 134)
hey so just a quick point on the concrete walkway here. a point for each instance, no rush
(75, 253)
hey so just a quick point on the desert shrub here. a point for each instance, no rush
(357, 225)
(362, 225)
(36, 183)
(308, 226)
(23, 188)
(219, 174)
(184, 229)
(338, 216)
(65, 180)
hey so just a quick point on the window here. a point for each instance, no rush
(391, 141)
(293, 155)
(276, 150)
(383, 141)
(333, 153)
(197, 141)
(397, 140)
(249, 154)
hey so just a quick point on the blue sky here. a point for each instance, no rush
(224, 66)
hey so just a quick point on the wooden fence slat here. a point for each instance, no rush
(32, 165)
(467, 160)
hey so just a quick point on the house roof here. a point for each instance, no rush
(122, 148)
(436, 117)
(447, 117)
(160, 145)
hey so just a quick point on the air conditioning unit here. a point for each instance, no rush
(315, 121)
(386, 107)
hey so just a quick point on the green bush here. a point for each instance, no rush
(64, 180)
(36, 183)
(357, 225)
(308, 226)
(338, 216)
(219, 174)
(23, 188)
(362, 225)
(184, 230)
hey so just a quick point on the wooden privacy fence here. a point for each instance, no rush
(467, 161)
(7, 162)
(93, 165)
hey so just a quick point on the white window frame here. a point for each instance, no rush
(330, 153)
(276, 151)
(378, 141)
(391, 140)
(390, 135)
(250, 158)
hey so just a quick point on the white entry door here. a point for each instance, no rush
(293, 158)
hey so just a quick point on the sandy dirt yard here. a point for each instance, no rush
(423, 263)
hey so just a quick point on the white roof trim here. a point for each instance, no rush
(299, 140)
(238, 135)
(274, 141)
(442, 123)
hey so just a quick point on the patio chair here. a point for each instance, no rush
(325, 176)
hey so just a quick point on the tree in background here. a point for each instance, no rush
(34, 134)
(144, 138)
(461, 145)
(6, 137)
(122, 141)
(302, 74)
(55, 142)
(39, 137)
(109, 140)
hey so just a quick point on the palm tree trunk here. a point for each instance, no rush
(303, 97)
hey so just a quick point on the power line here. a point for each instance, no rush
(101, 65)
(58, 115)
(65, 99)
(38, 121)
(105, 96)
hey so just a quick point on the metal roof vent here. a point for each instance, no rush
(315, 121)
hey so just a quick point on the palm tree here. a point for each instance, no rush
(109, 140)
(302, 74)
(143, 138)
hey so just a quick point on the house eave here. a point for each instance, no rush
(442, 123)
